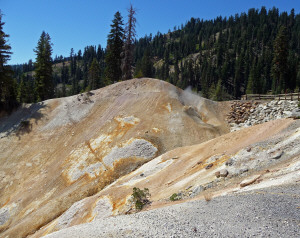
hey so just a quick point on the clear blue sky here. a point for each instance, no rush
(78, 23)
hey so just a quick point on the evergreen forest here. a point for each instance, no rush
(250, 53)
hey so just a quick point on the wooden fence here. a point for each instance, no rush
(287, 96)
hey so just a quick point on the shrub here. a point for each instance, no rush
(174, 197)
(140, 197)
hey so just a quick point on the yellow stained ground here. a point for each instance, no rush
(34, 166)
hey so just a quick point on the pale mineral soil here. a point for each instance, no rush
(68, 169)
(183, 170)
(270, 212)
(74, 146)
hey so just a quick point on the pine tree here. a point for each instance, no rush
(298, 78)
(127, 53)
(94, 75)
(5, 48)
(176, 72)
(22, 91)
(238, 78)
(114, 49)
(73, 63)
(43, 68)
(279, 63)
(147, 65)
(64, 79)
(219, 91)
(77, 79)
(85, 76)
(250, 83)
(7, 85)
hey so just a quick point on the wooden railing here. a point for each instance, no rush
(286, 96)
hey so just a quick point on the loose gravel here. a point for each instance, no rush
(272, 212)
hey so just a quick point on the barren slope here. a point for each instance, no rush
(269, 212)
(73, 147)
(183, 170)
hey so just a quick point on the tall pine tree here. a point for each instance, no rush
(147, 65)
(279, 63)
(8, 90)
(43, 68)
(127, 53)
(94, 75)
(114, 48)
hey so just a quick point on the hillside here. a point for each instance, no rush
(91, 145)
(223, 58)
(60, 151)
(75, 160)
(227, 57)
(184, 171)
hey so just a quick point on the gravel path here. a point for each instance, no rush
(272, 212)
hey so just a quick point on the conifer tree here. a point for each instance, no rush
(250, 83)
(298, 78)
(43, 68)
(72, 63)
(237, 78)
(22, 91)
(279, 63)
(219, 91)
(129, 36)
(94, 75)
(114, 49)
(64, 78)
(147, 65)
(77, 79)
(8, 88)
(176, 72)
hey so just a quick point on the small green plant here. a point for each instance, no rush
(298, 104)
(174, 197)
(140, 197)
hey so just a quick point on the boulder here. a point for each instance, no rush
(223, 173)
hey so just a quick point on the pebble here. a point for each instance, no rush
(265, 214)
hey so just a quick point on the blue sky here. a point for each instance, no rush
(78, 23)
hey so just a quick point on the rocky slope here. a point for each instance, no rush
(56, 154)
(245, 114)
(255, 157)
(70, 161)
(249, 214)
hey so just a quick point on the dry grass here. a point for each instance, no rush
(208, 196)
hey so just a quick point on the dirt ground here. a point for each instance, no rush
(78, 158)
(61, 154)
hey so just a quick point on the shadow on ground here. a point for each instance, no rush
(20, 121)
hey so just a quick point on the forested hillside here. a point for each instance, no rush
(254, 52)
